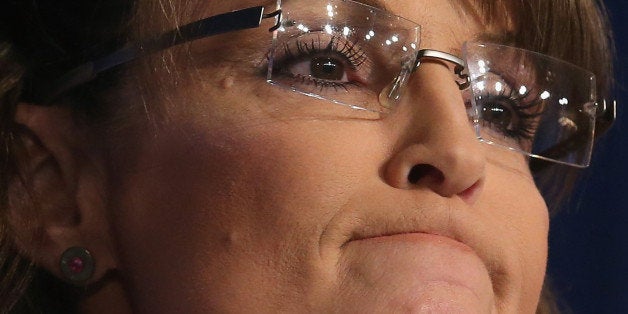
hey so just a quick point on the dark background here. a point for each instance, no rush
(589, 238)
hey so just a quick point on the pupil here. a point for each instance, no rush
(327, 69)
(497, 115)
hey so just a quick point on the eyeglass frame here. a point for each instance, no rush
(250, 18)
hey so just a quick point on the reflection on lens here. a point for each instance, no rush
(348, 58)
(531, 103)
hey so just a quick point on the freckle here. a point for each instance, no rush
(227, 82)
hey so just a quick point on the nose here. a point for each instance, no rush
(436, 145)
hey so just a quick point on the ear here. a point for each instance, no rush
(56, 202)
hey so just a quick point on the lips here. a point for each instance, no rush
(417, 237)
(412, 232)
(404, 229)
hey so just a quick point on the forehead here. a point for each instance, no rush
(457, 19)
(403, 8)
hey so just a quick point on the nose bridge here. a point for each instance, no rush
(437, 138)
(443, 57)
(436, 104)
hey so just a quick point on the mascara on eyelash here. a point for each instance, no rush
(300, 49)
(349, 51)
(526, 121)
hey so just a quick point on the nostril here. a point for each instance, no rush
(421, 171)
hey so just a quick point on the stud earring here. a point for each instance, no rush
(77, 265)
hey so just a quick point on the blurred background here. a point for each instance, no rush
(589, 238)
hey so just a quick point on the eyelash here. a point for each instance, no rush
(526, 112)
(300, 50)
(521, 108)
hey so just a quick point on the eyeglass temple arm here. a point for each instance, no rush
(605, 116)
(219, 24)
(443, 56)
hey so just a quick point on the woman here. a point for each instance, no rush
(304, 156)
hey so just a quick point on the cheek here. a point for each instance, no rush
(230, 203)
(520, 216)
(208, 204)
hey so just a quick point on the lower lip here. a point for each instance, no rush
(422, 270)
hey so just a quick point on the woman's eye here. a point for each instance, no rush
(321, 64)
(499, 115)
(321, 68)
(507, 114)
(344, 68)
(328, 69)
(510, 119)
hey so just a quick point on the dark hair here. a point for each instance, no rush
(576, 31)
(38, 40)
(41, 39)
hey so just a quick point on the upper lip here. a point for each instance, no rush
(424, 214)
(443, 220)
(406, 227)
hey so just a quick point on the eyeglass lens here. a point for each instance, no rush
(342, 51)
(359, 56)
(532, 103)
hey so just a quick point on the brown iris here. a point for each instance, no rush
(498, 115)
(327, 68)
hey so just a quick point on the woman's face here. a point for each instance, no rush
(253, 198)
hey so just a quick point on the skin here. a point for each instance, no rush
(250, 198)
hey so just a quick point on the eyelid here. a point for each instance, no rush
(320, 41)
(302, 48)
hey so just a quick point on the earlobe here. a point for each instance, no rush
(55, 200)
